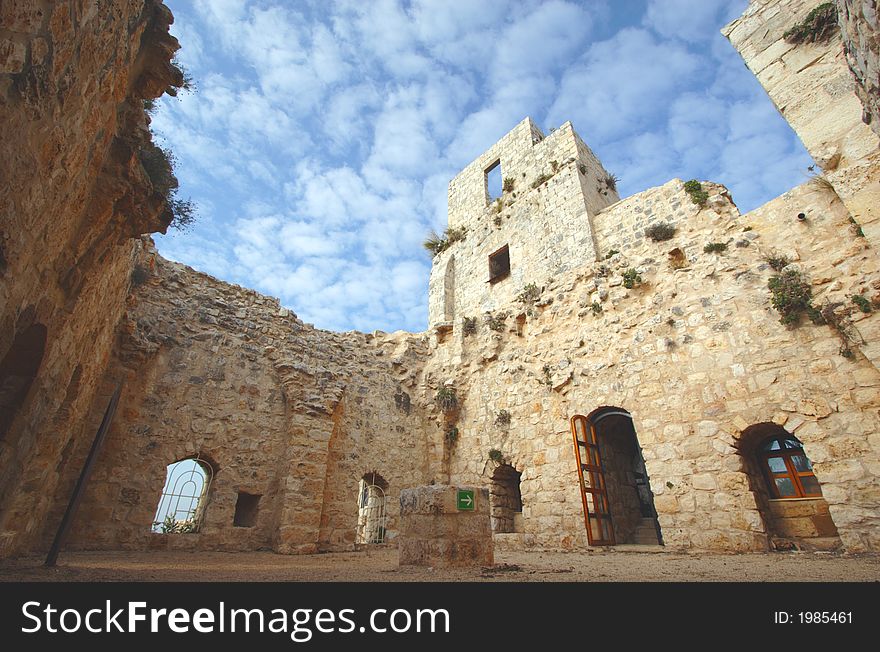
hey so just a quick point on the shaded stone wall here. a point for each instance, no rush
(282, 409)
(72, 80)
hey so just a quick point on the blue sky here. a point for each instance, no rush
(322, 136)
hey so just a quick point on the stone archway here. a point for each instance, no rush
(505, 499)
(787, 492)
(624, 479)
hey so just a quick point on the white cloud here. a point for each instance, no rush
(323, 135)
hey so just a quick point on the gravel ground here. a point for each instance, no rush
(381, 565)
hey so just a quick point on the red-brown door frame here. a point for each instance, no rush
(597, 489)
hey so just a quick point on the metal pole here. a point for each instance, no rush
(78, 490)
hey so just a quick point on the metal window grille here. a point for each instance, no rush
(182, 504)
(372, 516)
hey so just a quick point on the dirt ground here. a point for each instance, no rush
(381, 565)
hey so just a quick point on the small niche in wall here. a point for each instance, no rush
(246, 508)
(492, 177)
(499, 264)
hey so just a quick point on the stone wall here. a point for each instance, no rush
(544, 219)
(814, 90)
(73, 77)
(281, 410)
(696, 355)
(859, 25)
(693, 352)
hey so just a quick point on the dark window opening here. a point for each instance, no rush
(492, 177)
(246, 509)
(499, 264)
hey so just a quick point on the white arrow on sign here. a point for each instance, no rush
(466, 499)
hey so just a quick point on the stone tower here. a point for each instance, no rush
(540, 225)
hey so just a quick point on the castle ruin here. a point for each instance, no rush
(607, 387)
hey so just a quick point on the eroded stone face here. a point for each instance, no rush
(71, 123)
(440, 527)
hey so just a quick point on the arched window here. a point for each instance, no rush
(787, 467)
(182, 504)
(372, 517)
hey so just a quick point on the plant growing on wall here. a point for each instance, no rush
(447, 399)
(529, 295)
(715, 248)
(159, 163)
(548, 375)
(496, 322)
(451, 435)
(631, 278)
(542, 178)
(496, 455)
(695, 190)
(436, 244)
(660, 232)
(509, 183)
(791, 295)
(777, 262)
(818, 26)
(596, 307)
(469, 326)
(863, 304)
(611, 253)
(610, 181)
(502, 418)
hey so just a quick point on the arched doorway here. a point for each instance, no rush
(787, 492)
(17, 373)
(505, 499)
(617, 499)
(372, 515)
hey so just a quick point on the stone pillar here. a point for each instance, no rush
(435, 532)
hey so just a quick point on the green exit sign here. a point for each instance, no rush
(466, 500)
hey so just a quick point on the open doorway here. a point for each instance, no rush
(617, 498)
(505, 499)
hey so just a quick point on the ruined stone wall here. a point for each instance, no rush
(72, 79)
(696, 355)
(859, 25)
(544, 219)
(281, 410)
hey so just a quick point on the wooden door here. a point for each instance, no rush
(591, 475)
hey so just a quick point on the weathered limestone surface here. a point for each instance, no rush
(544, 219)
(434, 532)
(280, 409)
(812, 86)
(73, 77)
(859, 24)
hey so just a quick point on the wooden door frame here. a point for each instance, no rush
(598, 487)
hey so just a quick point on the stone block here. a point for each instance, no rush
(435, 532)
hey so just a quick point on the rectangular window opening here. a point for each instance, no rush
(246, 508)
(499, 265)
(492, 177)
